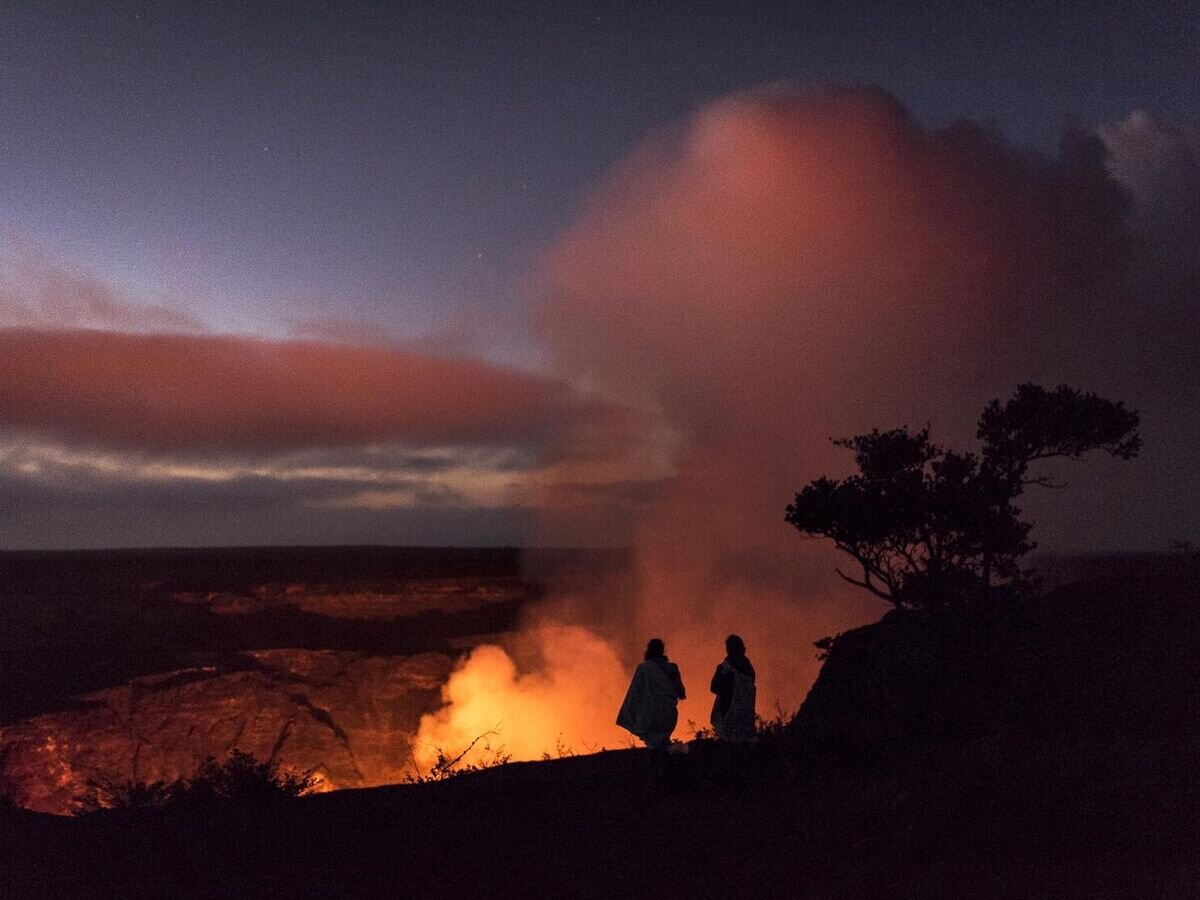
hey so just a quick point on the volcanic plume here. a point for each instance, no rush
(786, 267)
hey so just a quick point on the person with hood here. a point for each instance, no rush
(649, 710)
(733, 683)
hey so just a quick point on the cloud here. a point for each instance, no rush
(827, 237)
(245, 511)
(37, 293)
(388, 477)
(1159, 164)
(212, 394)
(789, 266)
(785, 267)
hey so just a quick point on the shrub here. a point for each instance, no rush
(104, 792)
(446, 767)
(241, 778)
(244, 778)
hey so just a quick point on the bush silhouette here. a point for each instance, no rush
(242, 778)
(109, 793)
(446, 767)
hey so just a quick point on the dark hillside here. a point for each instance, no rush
(1113, 656)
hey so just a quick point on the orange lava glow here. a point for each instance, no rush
(568, 701)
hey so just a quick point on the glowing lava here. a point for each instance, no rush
(568, 701)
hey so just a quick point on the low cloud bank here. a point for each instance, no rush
(217, 393)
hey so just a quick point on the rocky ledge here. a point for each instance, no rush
(347, 717)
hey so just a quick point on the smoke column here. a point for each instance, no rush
(784, 268)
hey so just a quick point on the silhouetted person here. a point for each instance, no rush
(649, 710)
(733, 710)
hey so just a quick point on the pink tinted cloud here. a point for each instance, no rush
(183, 393)
(829, 242)
(36, 292)
(790, 267)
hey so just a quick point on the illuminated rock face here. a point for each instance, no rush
(136, 665)
(379, 603)
(346, 716)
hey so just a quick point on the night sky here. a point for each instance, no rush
(384, 273)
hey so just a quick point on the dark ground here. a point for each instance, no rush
(593, 827)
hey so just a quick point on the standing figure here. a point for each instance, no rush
(733, 683)
(649, 708)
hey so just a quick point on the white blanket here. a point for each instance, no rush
(737, 724)
(649, 708)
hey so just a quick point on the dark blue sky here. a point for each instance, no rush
(360, 171)
(258, 164)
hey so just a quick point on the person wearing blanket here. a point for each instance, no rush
(649, 708)
(733, 683)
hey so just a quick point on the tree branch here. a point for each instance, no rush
(866, 584)
(1043, 481)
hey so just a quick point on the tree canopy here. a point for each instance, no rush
(931, 527)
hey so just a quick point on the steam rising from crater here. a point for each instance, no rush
(783, 268)
(553, 708)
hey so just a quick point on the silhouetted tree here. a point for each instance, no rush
(931, 527)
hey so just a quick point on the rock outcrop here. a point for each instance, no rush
(347, 717)
(411, 597)
(1112, 657)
